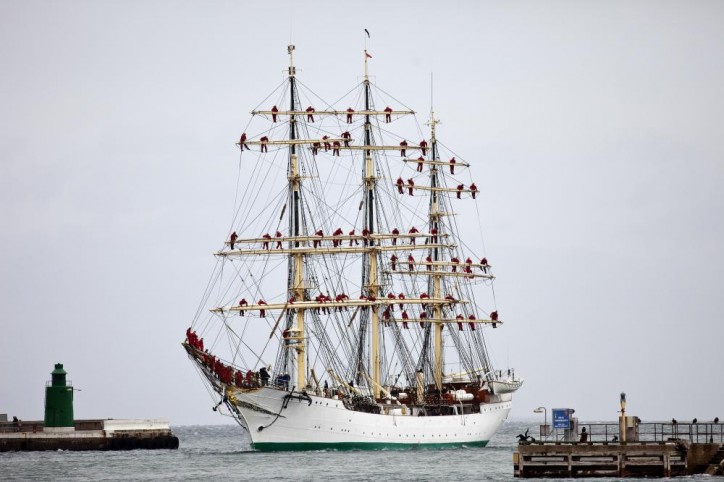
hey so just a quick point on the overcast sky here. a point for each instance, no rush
(594, 128)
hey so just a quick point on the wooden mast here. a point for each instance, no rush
(369, 216)
(436, 277)
(297, 280)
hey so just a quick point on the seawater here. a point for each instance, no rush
(224, 453)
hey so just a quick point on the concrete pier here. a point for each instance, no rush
(87, 435)
(60, 431)
(651, 450)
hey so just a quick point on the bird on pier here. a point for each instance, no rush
(694, 421)
(673, 420)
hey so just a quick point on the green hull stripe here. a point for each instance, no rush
(291, 446)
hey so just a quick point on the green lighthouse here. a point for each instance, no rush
(59, 400)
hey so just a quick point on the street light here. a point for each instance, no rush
(544, 428)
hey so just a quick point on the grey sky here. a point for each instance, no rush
(595, 130)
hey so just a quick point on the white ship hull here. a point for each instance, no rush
(326, 423)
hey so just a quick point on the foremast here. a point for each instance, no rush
(295, 282)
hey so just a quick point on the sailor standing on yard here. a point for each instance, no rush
(242, 142)
(400, 185)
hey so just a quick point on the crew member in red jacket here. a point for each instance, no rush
(242, 142)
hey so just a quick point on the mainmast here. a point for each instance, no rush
(434, 222)
(370, 257)
(295, 283)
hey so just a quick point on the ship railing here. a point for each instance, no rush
(659, 432)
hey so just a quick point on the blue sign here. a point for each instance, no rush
(561, 418)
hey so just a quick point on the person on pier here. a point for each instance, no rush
(274, 112)
(242, 142)
(232, 239)
(310, 114)
(388, 114)
(403, 148)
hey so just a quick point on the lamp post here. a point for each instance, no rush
(544, 429)
(622, 422)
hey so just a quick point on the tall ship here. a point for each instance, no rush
(351, 298)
